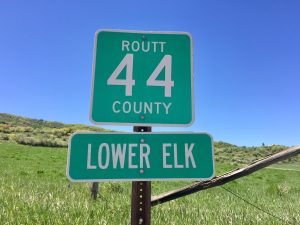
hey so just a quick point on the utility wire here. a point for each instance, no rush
(257, 207)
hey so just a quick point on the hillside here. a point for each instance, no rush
(38, 132)
(35, 190)
(241, 155)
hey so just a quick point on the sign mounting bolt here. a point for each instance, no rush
(140, 221)
(142, 117)
(141, 171)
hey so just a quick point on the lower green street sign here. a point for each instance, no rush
(140, 156)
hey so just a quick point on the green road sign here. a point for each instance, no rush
(142, 78)
(140, 156)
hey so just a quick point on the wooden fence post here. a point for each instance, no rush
(94, 190)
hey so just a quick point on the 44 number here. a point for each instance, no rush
(128, 82)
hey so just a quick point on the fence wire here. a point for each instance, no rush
(257, 207)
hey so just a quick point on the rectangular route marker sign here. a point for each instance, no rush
(140, 156)
(142, 79)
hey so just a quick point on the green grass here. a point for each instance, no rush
(290, 166)
(34, 190)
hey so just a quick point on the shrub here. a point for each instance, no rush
(4, 137)
(4, 128)
(40, 141)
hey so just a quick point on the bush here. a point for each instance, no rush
(12, 137)
(4, 137)
(4, 128)
(40, 141)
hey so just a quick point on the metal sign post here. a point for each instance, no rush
(141, 196)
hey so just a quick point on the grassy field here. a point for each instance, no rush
(34, 190)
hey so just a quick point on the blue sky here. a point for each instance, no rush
(246, 61)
